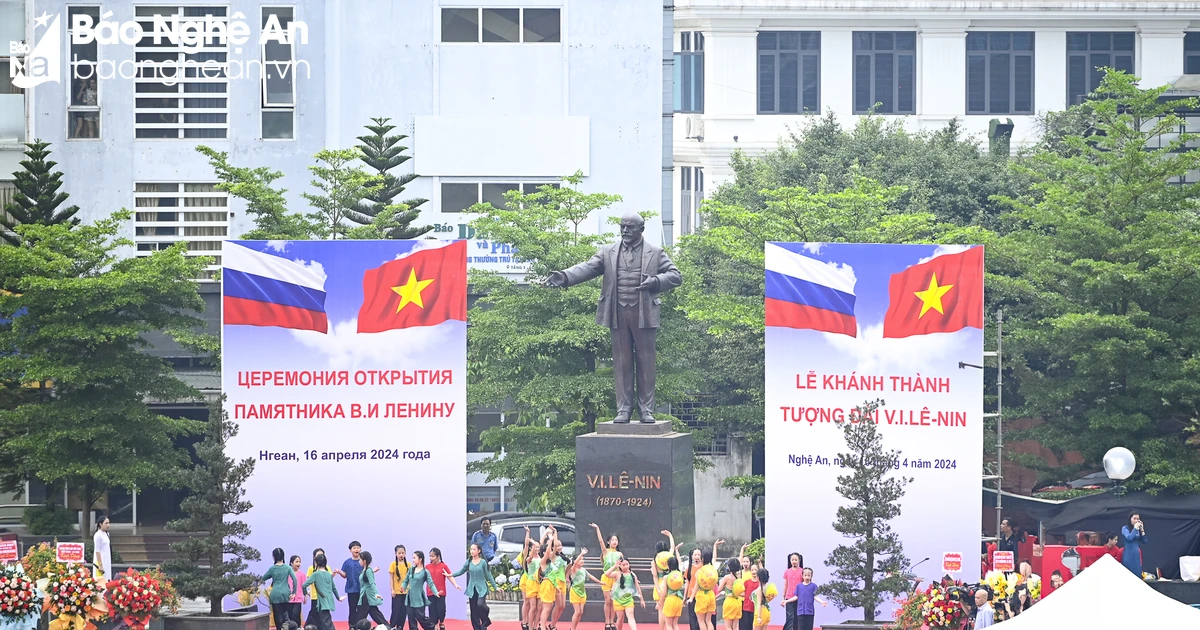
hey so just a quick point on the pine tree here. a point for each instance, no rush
(872, 565)
(213, 565)
(383, 153)
(37, 197)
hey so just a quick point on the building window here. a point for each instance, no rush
(789, 73)
(167, 213)
(460, 196)
(12, 107)
(514, 26)
(181, 92)
(691, 194)
(689, 73)
(278, 77)
(1088, 54)
(83, 108)
(707, 442)
(1000, 73)
(885, 72)
(7, 190)
(1191, 53)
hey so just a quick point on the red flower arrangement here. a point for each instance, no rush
(135, 597)
(18, 598)
(75, 598)
(940, 610)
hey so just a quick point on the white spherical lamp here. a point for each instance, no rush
(1119, 463)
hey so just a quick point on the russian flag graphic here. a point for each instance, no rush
(804, 292)
(265, 290)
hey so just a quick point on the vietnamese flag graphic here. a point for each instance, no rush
(940, 296)
(424, 288)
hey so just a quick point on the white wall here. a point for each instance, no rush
(718, 513)
(592, 102)
(730, 60)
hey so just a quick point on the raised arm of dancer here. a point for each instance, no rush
(716, 544)
(674, 547)
(599, 537)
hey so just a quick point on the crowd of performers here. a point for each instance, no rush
(743, 597)
(745, 593)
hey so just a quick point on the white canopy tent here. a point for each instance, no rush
(1105, 596)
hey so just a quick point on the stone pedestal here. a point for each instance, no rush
(634, 480)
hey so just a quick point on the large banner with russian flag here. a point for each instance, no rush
(344, 363)
(851, 323)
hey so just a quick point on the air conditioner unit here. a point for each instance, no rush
(693, 128)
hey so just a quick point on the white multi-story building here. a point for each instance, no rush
(749, 71)
(494, 96)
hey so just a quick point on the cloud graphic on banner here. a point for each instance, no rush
(421, 245)
(942, 250)
(315, 266)
(279, 246)
(872, 354)
(814, 248)
(345, 349)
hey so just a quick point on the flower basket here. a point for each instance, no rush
(20, 601)
(135, 598)
(74, 600)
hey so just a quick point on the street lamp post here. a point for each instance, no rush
(1119, 464)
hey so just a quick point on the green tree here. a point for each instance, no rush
(342, 186)
(213, 564)
(1097, 274)
(37, 198)
(265, 204)
(381, 225)
(78, 320)
(872, 564)
(723, 264)
(558, 371)
(944, 172)
(383, 152)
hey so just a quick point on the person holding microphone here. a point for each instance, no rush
(1135, 536)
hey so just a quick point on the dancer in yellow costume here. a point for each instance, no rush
(578, 577)
(701, 580)
(762, 600)
(610, 556)
(530, 580)
(625, 586)
(732, 587)
(671, 593)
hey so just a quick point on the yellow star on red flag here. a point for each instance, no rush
(931, 298)
(410, 292)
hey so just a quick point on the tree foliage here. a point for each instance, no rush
(37, 198)
(872, 564)
(382, 153)
(561, 368)
(342, 186)
(78, 319)
(213, 564)
(945, 172)
(1098, 274)
(874, 183)
(265, 204)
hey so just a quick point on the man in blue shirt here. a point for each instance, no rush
(486, 539)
